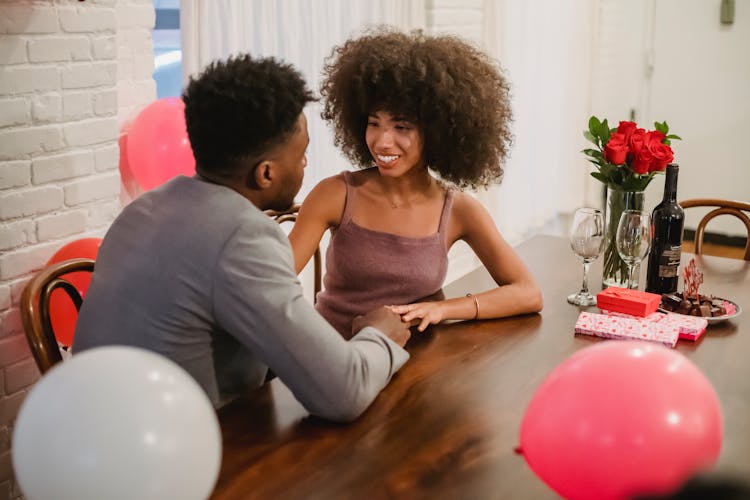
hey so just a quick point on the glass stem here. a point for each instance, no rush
(631, 269)
(585, 284)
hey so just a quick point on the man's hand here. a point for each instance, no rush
(385, 320)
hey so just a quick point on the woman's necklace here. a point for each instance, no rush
(405, 201)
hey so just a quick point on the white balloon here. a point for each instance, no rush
(116, 423)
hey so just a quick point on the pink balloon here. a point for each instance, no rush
(619, 419)
(158, 147)
(131, 188)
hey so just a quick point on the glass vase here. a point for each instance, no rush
(615, 270)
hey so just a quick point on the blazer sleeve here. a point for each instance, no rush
(258, 299)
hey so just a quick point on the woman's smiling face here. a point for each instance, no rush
(395, 143)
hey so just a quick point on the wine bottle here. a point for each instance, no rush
(666, 247)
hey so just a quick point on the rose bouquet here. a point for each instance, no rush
(626, 159)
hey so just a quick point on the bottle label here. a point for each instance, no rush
(669, 262)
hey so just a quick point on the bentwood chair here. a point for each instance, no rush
(738, 209)
(290, 215)
(35, 310)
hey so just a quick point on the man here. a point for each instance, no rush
(194, 270)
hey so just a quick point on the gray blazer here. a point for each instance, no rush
(195, 272)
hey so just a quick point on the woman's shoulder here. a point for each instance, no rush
(327, 199)
(354, 178)
(464, 203)
(468, 213)
(357, 178)
(335, 184)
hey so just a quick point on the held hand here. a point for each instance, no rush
(428, 312)
(385, 320)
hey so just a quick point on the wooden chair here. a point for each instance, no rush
(290, 215)
(729, 207)
(35, 308)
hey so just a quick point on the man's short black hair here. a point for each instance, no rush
(238, 109)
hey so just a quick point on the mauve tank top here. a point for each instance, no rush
(366, 269)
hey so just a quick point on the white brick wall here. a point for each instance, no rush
(15, 112)
(4, 297)
(62, 166)
(71, 73)
(131, 41)
(15, 174)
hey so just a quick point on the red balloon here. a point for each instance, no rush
(158, 147)
(62, 311)
(620, 419)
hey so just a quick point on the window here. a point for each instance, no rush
(167, 49)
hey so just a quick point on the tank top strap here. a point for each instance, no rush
(445, 215)
(346, 217)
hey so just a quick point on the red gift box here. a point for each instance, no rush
(625, 300)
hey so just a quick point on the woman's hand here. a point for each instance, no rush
(425, 312)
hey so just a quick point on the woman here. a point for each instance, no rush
(402, 107)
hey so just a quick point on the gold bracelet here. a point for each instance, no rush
(476, 304)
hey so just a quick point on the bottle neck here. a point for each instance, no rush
(670, 184)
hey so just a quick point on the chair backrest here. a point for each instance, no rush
(290, 215)
(35, 308)
(729, 207)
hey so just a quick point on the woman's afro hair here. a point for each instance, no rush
(455, 94)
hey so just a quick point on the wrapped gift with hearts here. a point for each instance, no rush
(690, 327)
(627, 328)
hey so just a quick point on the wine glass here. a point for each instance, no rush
(633, 239)
(587, 240)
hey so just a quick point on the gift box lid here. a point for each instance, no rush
(625, 300)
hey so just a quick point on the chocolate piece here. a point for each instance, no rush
(670, 301)
(703, 306)
(684, 307)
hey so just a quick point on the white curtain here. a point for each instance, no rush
(544, 46)
(301, 32)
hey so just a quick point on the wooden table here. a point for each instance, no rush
(447, 424)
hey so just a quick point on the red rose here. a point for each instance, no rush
(627, 129)
(616, 150)
(636, 141)
(641, 162)
(661, 153)
(657, 134)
